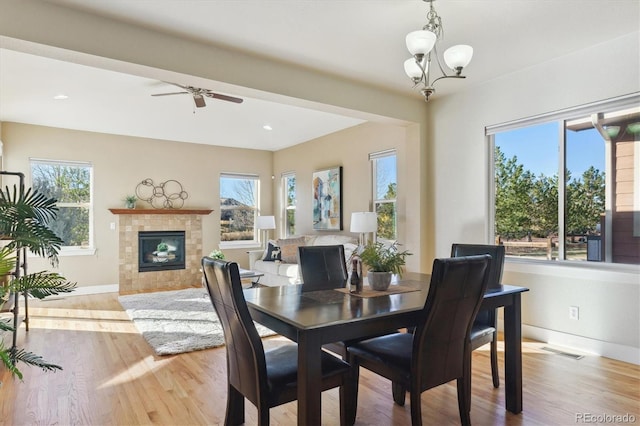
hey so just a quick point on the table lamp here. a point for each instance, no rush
(264, 223)
(363, 223)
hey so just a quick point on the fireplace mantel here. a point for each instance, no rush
(161, 211)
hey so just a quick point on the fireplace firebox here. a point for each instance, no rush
(160, 250)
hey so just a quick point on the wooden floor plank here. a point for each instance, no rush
(112, 377)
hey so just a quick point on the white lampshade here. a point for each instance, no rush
(266, 222)
(458, 56)
(363, 222)
(413, 70)
(420, 42)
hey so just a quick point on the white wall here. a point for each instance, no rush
(609, 322)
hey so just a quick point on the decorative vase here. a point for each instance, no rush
(131, 204)
(379, 280)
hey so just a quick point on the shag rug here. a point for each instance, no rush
(177, 321)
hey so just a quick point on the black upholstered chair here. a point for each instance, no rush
(322, 267)
(266, 378)
(439, 350)
(485, 328)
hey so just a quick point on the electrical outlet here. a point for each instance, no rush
(574, 312)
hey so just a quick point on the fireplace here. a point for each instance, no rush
(161, 250)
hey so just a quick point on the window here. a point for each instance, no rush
(289, 203)
(385, 188)
(238, 209)
(70, 184)
(565, 184)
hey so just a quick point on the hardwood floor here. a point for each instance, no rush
(112, 377)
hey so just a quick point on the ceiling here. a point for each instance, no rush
(354, 39)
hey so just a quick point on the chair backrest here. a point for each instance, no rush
(246, 366)
(497, 260)
(322, 267)
(441, 340)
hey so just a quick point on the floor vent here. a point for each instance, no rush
(563, 353)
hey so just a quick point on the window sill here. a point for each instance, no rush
(574, 269)
(239, 245)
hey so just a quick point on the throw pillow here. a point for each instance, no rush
(289, 249)
(273, 253)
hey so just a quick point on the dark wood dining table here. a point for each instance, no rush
(315, 318)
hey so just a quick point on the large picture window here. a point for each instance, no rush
(564, 185)
(70, 184)
(289, 203)
(385, 189)
(238, 208)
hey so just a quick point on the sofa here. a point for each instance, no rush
(279, 260)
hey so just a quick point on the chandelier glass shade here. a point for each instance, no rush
(422, 44)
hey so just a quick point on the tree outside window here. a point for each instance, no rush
(238, 208)
(289, 196)
(385, 193)
(70, 184)
(540, 216)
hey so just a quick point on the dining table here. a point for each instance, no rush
(315, 318)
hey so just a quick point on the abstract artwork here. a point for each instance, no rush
(327, 199)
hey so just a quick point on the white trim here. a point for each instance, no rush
(616, 351)
(636, 189)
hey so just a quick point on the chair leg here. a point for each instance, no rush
(399, 393)
(416, 408)
(494, 361)
(235, 407)
(464, 401)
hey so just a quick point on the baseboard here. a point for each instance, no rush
(583, 344)
(84, 291)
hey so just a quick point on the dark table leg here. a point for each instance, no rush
(309, 379)
(513, 355)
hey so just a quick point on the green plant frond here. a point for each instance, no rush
(33, 360)
(7, 260)
(5, 355)
(5, 324)
(43, 209)
(43, 284)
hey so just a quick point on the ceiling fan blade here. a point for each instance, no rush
(199, 100)
(224, 97)
(167, 94)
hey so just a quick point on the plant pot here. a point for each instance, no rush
(130, 204)
(379, 280)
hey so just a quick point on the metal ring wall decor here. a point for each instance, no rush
(165, 195)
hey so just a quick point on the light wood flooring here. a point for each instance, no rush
(112, 377)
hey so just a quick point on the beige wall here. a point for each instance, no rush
(350, 149)
(119, 164)
(608, 298)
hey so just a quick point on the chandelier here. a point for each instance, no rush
(422, 44)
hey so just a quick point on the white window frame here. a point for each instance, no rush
(561, 116)
(285, 207)
(373, 157)
(72, 250)
(256, 240)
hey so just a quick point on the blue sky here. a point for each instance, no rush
(537, 149)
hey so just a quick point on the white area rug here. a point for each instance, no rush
(177, 321)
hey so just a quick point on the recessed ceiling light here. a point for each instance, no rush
(267, 127)
(60, 97)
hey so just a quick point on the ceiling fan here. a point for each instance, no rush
(199, 95)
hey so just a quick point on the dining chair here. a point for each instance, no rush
(439, 350)
(485, 327)
(266, 378)
(322, 267)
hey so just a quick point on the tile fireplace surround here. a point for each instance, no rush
(130, 222)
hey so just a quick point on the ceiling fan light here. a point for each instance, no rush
(458, 57)
(420, 42)
(413, 70)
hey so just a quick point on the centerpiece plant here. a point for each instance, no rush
(383, 261)
(24, 219)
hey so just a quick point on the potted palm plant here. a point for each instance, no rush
(24, 219)
(383, 261)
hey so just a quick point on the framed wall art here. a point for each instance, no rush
(327, 199)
